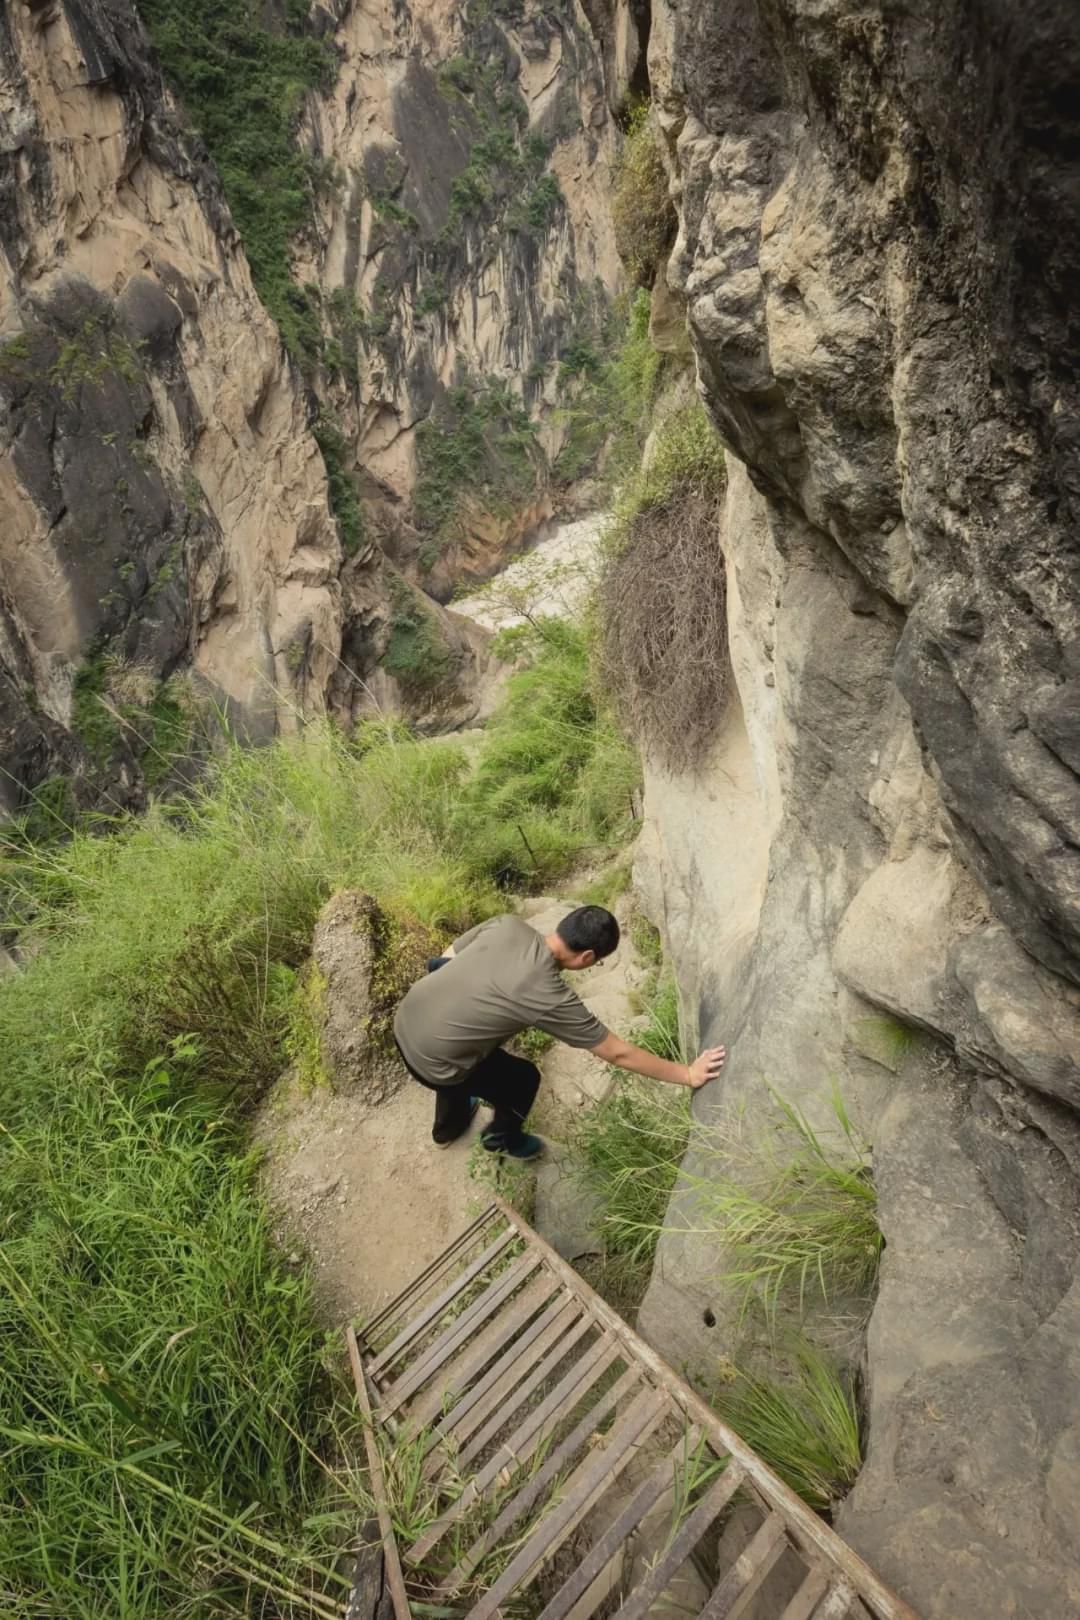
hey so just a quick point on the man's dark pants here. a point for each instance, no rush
(507, 1082)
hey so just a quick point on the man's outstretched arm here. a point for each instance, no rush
(625, 1056)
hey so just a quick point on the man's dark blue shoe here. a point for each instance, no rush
(526, 1147)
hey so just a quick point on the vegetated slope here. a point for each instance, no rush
(879, 278)
(173, 1429)
(185, 497)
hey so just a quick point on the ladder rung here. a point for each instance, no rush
(521, 1445)
(600, 1351)
(437, 1268)
(809, 1595)
(533, 1489)
(659, 1482)
(476, 1353)
(412, 1330)
(515, 1364)
(836, 1602)
(458, 1333)
(589, 1481)
(689, 1533)
(748, 1571)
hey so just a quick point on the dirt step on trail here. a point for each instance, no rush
(365, 1191)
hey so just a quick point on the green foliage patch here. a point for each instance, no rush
(344, 502)
(505, 186)
(610, 377)
(555, 777)
(418, 655)
(806, 1426)
(242, 71)
(642, 212)
(480, 445)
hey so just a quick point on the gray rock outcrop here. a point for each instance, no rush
(348, 1000)
(878, 252)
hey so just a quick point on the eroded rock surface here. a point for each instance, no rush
(163, 491)
(877, 248)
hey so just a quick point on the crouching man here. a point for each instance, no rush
(496, 980)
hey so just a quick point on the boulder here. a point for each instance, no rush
(355, 1010)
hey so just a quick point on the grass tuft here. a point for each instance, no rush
(807, 1428)
(792, 1214)
(627, 1151)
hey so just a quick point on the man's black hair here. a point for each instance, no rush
(590, 928)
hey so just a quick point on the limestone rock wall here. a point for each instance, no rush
(162, 503)
(163, 490)
(877, 247)
(469, 235)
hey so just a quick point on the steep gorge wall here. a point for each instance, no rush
(471, 235)
(168, 471)
(878, 249)
(161, 493)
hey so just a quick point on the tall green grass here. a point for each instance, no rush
(806, 1428)
(790, 1212)
(166, 1414)
(167, 1421)
(627, 1150)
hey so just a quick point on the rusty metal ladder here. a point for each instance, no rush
(528, 1406)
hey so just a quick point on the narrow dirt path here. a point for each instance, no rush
(366, 1193)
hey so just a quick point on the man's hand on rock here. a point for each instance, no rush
(706, 1067)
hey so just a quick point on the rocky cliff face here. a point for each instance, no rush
(164, 505)
(164, 464)
(877, 247)
(467, 243)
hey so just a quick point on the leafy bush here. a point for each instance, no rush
(807, 1428)
(478, 444)
(662, 599)
(505, 186)
(642, 213)
(418, 655)
(242, 79)
(344, 502)
(616, 374)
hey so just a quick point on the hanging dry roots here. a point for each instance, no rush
(664, 626)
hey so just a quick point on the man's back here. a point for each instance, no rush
(501, 978)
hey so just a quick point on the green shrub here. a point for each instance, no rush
(242, 76)
(642, 212)
(505, 186)
(341, 490)
(806, 1428)
(610, 375)
(533, 1043)
(479, 445)
(418, 655)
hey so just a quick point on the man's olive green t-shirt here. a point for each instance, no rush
(501, 979)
